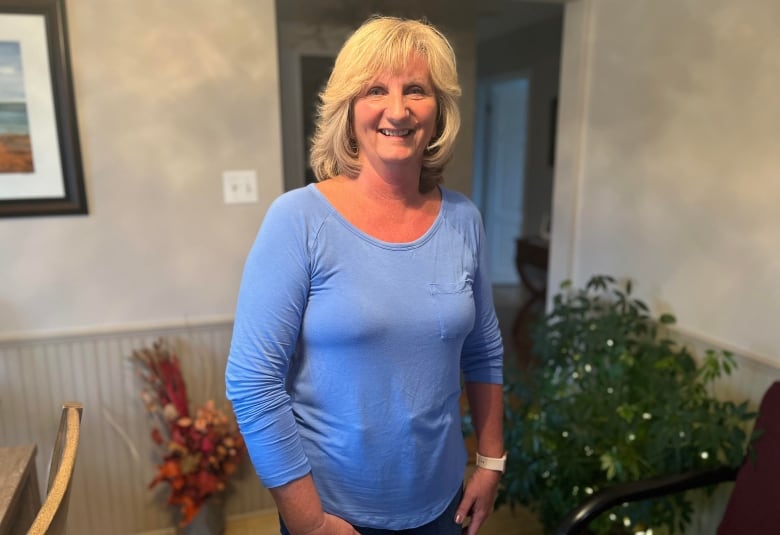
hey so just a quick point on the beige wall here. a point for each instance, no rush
(169, 94)
(668, 164)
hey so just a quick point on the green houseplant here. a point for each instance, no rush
(612, 398)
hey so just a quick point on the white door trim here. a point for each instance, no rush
(571, 141)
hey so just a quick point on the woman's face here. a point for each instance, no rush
(394, 117)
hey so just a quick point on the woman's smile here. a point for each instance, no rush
(395, 133)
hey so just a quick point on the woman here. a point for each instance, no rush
(364, 298)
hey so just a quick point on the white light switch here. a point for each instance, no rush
(239, 186)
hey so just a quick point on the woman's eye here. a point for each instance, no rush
(418, 91)
(374, 91)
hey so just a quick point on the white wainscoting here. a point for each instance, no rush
(117, 457)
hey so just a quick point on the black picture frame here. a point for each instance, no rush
(55, 186)
(553, 132)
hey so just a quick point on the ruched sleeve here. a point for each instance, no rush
(271, 303)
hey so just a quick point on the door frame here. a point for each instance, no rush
(293, 143)
(480, 181)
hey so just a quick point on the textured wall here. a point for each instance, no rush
(673, 174)
(168, 94)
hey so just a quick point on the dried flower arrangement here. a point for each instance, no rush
(200, 453)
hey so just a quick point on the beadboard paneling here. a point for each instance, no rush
(116, 457)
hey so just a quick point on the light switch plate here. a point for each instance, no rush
(239, 186)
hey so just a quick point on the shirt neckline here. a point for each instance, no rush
(376, 241)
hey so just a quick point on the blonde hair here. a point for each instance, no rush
(385, 44)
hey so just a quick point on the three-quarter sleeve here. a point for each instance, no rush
(482, 354)
(271, 303)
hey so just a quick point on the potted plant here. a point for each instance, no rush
(611, 397)
(199, 452)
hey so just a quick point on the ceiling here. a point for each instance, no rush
(488, 17)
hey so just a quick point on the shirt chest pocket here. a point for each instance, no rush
(454, 303)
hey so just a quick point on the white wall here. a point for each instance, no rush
(668, 167)
(168, 94)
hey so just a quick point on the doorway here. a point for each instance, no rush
(500, 165)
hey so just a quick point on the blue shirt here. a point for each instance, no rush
(347, 356)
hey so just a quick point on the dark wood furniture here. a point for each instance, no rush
(531, 259)
(20, 499)
(532, 253)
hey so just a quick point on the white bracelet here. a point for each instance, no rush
(492, 463)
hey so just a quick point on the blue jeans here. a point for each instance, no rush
(443, 525)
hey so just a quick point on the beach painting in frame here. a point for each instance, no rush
(15, 148)
(40, 162)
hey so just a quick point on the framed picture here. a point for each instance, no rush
(40, 156)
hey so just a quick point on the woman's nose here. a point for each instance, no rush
(396, 106)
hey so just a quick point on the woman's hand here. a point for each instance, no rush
(478, 499)
(333, 525)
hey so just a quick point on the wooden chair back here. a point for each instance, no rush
(52, 516)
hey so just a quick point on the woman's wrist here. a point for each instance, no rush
(497, 464)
